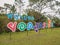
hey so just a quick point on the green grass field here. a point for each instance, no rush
(44, 37)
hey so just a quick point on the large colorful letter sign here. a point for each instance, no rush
(10, 16)
(21, 17)
(21, 26)
(52, 24)
(12, 26)
(29, 26)
(37, 24)
(25, 17)
(40, 25)
(36, 27)
(29, 17)
(44, 25)
(49, 23)
(32, 18)
(16, 16)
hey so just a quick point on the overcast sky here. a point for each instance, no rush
(10, 2)
(6, 1)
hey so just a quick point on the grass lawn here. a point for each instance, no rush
(34, 38)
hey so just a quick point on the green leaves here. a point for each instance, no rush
(13, 9)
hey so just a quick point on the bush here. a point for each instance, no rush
(3, 23)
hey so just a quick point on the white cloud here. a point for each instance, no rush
(6, 1)
(58, 0)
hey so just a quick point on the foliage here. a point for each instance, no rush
(34, 1)
(56, 20)
(7, 6)
(38, 16)
(13, 10)
(3, 24)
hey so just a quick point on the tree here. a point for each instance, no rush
(45, 7)
(13, 10)
(1, 10)
(56, 20)
(7, 6)
(50, 5)
(34, 1)
(38, 16)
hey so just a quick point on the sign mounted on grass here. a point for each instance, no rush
(10, 16)
(30, 26)
(36, 27)
(49, 23)
(12, 26)
(44, 24)
(21, 26)
(17, 17)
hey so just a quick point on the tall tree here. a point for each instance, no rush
(13, 9)
(7, 6)
(38, 16)
(47, 7)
